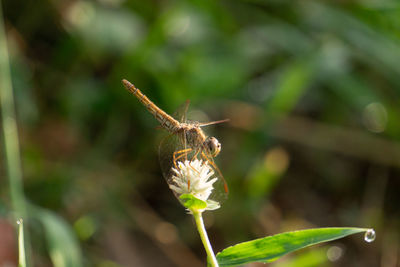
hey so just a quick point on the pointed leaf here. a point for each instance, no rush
(271, 248)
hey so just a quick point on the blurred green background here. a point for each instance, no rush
(312, 91)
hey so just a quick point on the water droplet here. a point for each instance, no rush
(370, 235)
(19, 221)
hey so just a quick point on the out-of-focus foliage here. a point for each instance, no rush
(311, 89)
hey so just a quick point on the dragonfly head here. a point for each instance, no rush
(213, 146)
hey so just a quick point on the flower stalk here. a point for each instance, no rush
(204, 237)
(192, 182)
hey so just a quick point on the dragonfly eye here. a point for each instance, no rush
(214, 147)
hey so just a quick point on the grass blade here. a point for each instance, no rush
(21, 244)
(10, 132)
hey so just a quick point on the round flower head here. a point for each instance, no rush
(194, 178)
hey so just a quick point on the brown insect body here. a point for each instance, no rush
(191, 132)
(194, 135)
(167, 122)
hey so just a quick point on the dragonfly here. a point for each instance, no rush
(186, 141)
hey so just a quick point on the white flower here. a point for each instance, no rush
(194, 178)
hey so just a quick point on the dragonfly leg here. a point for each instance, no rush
(182, 153)
(205, 158)
(194, 156)
(197, 152)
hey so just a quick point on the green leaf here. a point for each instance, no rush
(271, 248)
(192, 203)
(61, 241)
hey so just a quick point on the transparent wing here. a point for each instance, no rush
(221, 190)
(181, 112)
(169, 144)
(173, 145)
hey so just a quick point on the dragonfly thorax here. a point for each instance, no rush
(194, 135)
(196, 139)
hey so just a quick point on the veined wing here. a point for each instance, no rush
(168, 146)
(221, 190)
(173, 145)
(180, 113)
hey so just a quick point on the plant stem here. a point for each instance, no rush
(204, 238)
(10, 132)
(21, 244)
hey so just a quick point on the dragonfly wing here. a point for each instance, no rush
(181, 112)
(166, 150)
(220, 192)
(173, 147)
(172, 143)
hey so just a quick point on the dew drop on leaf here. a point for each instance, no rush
(369, 235)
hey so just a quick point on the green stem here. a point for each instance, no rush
(10, 132)
(204, 238)
(21, 244)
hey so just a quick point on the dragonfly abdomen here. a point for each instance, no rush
(167, 122)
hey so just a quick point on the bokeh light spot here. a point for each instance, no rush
(165, 233)
(85, 227)
(375, 117)
(276, 160)
(334, 253)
